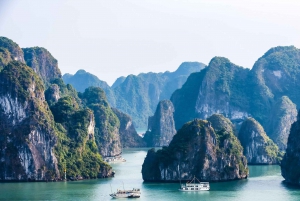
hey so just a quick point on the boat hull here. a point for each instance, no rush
(204, 189)
(132, 195)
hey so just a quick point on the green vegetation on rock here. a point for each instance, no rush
(76, 148)
(197, 150)
(106, 122)
(25, 117)
(283, 115)
(9, 51)
(43, 63)
(128, 135)
(258, 147)
(21, 81)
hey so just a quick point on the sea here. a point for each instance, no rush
(264, 183)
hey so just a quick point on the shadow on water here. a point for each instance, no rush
(288, 186)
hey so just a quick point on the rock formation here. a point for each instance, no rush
(290, 165)
(43, 63)
(220, 123)
(38, 142)
(128, 135)
(266, 92)
(76, 150)
(258, 147)
(52, 94)
(26, 125)
(107, 123)
(161, 126)
(197, 150)
(9, 51)
(283, 115)
(274, 75)
(219, 88)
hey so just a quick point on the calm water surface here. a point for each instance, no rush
(264, 183)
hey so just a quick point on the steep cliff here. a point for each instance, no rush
(197, 150)
(274, 75)
(43, 63)
(38, 143)
(266, 92)
(290, 165)
(219, 88)
(27, 131)
(128, 134)
(107, 123)
(258, 147)
(161, 126)
(283, 115)
(76, 149)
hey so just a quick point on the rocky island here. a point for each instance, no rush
(47, 127)
(161, 126)
(258, 147)
(197, 149)
(290, 165)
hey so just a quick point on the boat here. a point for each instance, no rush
(195, 185)
(134, 193)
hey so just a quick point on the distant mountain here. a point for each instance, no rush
(137, 95)
(82, 80)
(119, 81)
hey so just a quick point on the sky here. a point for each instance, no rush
(120, 37)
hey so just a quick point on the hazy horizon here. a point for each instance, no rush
(117, 38)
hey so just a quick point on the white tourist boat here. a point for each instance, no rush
(195, 185)
(134, 193)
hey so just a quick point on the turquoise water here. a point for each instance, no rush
(264, 183)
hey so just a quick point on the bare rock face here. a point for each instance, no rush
(258, 147)
(266, 92)
(161, 126)
(198, 150)
(27, 135)
(128, 134)
(290, 165)
(217, 89)
(283, 115)
(52, 94)
(43, 63)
